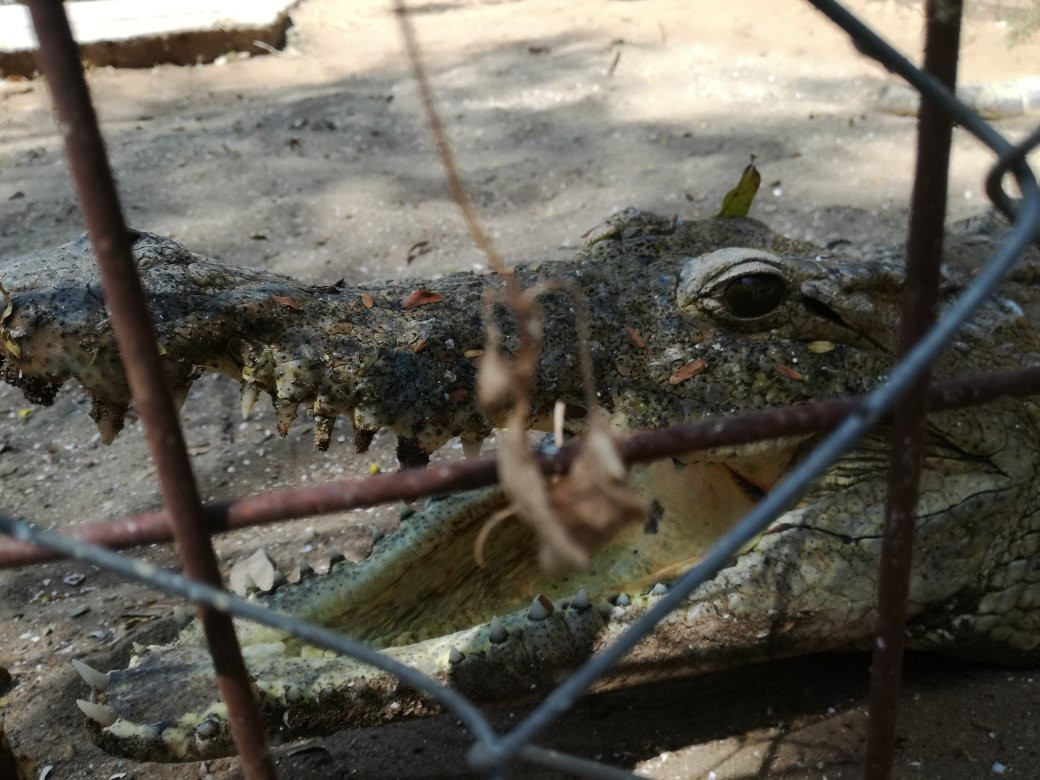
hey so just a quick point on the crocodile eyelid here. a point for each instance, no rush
(706, 276)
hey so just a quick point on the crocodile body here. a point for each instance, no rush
(689, 319)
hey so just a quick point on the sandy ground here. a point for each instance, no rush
(317, 162)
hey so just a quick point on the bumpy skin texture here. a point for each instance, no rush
(773, 321)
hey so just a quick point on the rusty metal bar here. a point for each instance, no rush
(291, 503)
(920, 303)
(59, 61)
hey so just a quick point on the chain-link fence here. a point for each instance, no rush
(849, 420)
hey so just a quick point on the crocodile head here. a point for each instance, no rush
(688, 320)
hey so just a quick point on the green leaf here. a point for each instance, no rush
(738, 200)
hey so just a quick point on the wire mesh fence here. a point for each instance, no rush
(847, 422)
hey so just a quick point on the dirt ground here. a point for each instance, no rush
(317, 162)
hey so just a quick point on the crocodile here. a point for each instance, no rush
(688, 319)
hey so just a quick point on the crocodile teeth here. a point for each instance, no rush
(208, 728)
(91, 676)
(286, 411)
(470, 448)
(323, 431)
(178, 395)
(496, 632)
(100, 713)
(659, 589)
(581, 601)
(540, 609)
(455, 656)
(108, 427)
(250, 394)
(622, 600)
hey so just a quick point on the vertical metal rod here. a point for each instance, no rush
(58, 58)
(924, 257)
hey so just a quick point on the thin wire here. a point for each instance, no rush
(835, 444)
(223, 601)
(784, 495)
(490, 753)
(573, 764)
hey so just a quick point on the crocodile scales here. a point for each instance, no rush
(774, 321)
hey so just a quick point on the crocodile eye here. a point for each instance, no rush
(753, 295)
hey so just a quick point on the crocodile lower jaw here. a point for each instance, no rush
(504, 632)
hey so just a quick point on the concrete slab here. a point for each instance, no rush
(132, 34)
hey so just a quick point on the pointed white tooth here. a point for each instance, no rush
(99, 713)
(151, 731)
(455, 656)
(496, 633)
(581, 601)
(108, 426)
(659, 589)
(286, 412)
(559, 413)
(540, 609)
(250, 394)
(470, 448)
(91, 676)
(622, 600)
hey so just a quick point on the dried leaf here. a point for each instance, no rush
(261, 570)
(286, 301)
(256, 571)
(417, 249)
(366, 301)
(11, 346)
(637, 339)
(738, 200)
(9, 307)
(591, 502)
(523, 482)
(790, 373)
(687, 371)
(458, 396)
(421, 298)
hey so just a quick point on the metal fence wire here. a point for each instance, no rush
(491, 752)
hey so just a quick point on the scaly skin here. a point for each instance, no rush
(774, 321)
